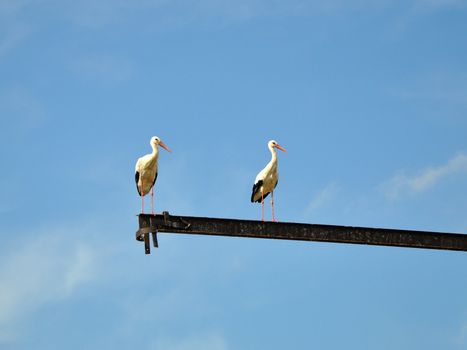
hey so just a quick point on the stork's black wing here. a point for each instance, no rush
(155, 178)
(136, 180)
(255, 190)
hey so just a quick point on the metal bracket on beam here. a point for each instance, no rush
(152, 226)
(175, 222)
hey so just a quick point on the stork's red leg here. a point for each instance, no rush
(152, 200)
(272, 205)
(262, 207)
(142, 197)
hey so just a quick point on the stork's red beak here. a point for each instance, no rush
(164, 146)
(280, 147)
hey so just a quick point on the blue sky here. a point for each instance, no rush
(368, 97)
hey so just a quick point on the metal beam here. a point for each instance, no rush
(151, 224)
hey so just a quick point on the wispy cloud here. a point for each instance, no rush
(441, 3)
(167, 14)
(103, 67)
(321, 199)
(8, 7)
(461, 337)
(12, 37)
(20, 110)
(40, 273)
(438, 87)
(13, 27)
(210, 341)
(7, 336)
(401, 184)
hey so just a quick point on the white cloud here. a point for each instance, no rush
(443, 87)
(442, 3)
(402, 184)
(211, 341)
(103, 67)
(19, 109)
(13, 29)
(12, 37)
(7, 336)
(165, 13)
(41, 270)
(168, 14)
(12, 7)
(461, 337)
(322, 199)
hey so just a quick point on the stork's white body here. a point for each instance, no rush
(146, 172)
(266, 180)
(146, 167)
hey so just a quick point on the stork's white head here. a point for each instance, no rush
(156, 141)
(273, 144)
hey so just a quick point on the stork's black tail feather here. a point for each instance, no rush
(136, 180)
(255, 191)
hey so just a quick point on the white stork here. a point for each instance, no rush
(146, 171)
(266, 180)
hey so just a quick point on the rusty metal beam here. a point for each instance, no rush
(151, 224)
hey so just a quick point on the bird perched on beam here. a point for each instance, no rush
(266, 180)
(146, 171)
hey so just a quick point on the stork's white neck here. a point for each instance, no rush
(155, 150)
(273, 154)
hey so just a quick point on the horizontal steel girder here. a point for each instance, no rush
(151, 224)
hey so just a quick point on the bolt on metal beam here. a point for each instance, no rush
(152, 224)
